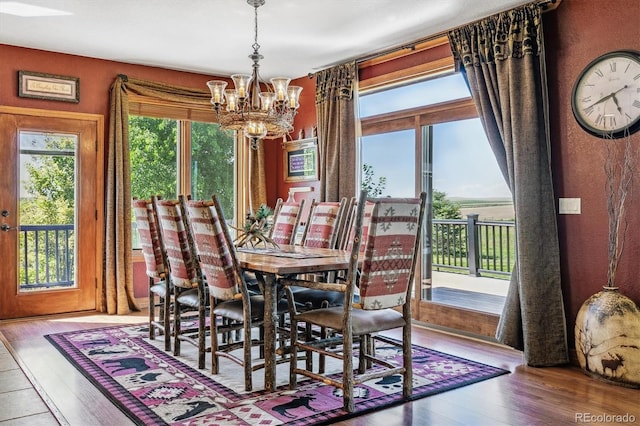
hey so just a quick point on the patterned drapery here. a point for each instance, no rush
(335, 110)
(502, 58)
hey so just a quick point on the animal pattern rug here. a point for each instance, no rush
(154, 388)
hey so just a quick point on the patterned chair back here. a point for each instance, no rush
(147, 225)
(366, 221)
(287, 218)
(181, 259)
(390, 252)
(323, 224)
(215, 253)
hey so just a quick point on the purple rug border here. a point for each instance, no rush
(142, 415)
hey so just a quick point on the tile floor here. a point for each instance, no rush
(20, 403)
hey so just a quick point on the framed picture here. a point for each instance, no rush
(301, 160)
(48, 86)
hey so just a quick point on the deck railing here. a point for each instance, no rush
(481, 247)
(46, 256)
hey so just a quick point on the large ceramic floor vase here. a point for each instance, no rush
(607, 337)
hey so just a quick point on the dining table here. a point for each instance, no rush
(274, 262)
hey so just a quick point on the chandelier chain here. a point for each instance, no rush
(255, 46)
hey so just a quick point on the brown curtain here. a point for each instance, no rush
(502, 58)
(335, 110)
(117, 294)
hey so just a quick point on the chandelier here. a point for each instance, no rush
(258, 113)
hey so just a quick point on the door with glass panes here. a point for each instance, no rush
(50, 204)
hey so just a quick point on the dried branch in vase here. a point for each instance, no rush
(619, 168)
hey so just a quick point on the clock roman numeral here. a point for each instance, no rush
(587, 99)
(599, 73)
(612, 66)
(588, 111)
(636, 103)
(598, 119)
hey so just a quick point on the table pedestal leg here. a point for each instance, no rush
(270, 315)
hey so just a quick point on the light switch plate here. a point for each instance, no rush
(569, 206)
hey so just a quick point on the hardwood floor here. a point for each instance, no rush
(526, 396)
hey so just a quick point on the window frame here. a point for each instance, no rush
(419, 119)
(185, 115)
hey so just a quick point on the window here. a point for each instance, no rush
(426, 136)
(171, 156)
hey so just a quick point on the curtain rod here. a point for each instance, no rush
(545, 6)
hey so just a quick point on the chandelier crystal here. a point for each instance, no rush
(259, 114)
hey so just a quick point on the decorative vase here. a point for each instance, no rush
(607, 338)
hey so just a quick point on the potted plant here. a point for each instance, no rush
(607, 330)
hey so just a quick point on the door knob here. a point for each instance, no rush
(6, 228)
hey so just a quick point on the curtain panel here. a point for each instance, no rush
(336, 116)
(502, 59)
(117, 295)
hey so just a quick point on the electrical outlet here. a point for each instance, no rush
(569, 206)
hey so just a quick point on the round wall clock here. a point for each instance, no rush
(606, 97)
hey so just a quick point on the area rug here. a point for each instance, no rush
(154, 388)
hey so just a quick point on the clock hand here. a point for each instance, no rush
(611, 95)
(615, 101)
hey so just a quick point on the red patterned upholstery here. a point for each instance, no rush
(213, 250)
(366, 221)
(286, 221)
(389, 253)
(323, 224)
(176, 242)
(149, 239)
(159, 284)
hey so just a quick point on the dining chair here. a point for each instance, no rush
(184, 271)
(230, 300)
(287, 215)
(322, 231)
(323, 225)
(387, 267)
(156, 269)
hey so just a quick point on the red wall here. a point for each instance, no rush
(576, 33)
(305, 120)
(96, 77)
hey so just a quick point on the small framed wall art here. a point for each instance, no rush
(301, 160)
(48, 86)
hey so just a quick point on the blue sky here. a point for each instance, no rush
(463, 164)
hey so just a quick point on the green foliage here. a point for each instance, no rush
(51, 185)
(444, 208)
(152, 143)
(374, 189)
(153, 152)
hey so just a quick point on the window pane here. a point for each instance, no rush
(153, 143)
(422, 93)
(212, 165)
(464, 166)
(388, 167)
(47, 211)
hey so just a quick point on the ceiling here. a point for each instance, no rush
(214, 37)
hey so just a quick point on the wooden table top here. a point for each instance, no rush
(292, 259)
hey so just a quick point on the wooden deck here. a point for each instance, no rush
(469, 292)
